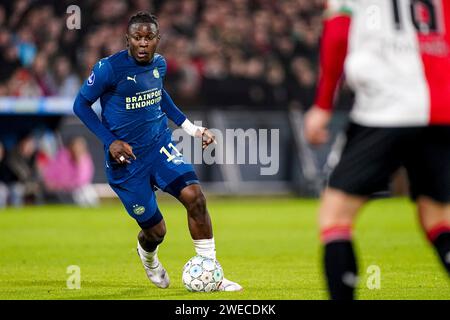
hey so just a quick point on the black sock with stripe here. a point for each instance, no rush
(340, 269)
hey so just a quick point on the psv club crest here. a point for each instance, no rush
(156, 73)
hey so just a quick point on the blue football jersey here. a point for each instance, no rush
(130, 97)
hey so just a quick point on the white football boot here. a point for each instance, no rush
(227, 285)
(158, 275)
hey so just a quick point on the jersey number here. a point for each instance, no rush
(170, 156)
(423, 15)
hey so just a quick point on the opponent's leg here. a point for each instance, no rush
(428, 168)
(200, 227)
(435, 220)
(336, 216)
(370, 157)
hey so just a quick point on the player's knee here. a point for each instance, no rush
(338, 208)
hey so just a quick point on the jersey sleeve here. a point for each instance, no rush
(82, 108)
(161, 64)
(98, 82)
(333, 51)
(171, 110)
(167, 104)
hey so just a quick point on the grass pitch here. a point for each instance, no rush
(270, 246)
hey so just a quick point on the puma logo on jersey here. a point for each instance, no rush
(132, 79)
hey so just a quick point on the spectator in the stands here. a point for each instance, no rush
(42, 76)
(65, 81)
(302, 86)
(20, 173)
(277, 93)
(23, 84)
(255, 73)
(68, 175)
(25, 46)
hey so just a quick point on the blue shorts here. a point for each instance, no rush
(161, 167)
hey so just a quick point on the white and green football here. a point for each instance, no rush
(202, 274)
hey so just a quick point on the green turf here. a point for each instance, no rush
(269, 246)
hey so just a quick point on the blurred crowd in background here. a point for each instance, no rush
(40, 170)
(219, 53)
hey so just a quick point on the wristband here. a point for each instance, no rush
(191, 129)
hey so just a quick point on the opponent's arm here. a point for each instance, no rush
(333, 50)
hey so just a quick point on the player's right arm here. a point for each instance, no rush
(333, 50)
(94, 87)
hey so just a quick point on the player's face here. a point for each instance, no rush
(143, 38)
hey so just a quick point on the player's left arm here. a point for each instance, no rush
(180, 119)
(177, 116)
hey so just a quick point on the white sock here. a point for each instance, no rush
(205, 247)
(150, 259)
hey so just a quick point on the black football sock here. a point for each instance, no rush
(340, 269)
(442, 245)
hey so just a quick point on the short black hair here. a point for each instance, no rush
(142, 17)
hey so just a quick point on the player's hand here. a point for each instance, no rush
(207, 138)
(315, 125)
(121, 151)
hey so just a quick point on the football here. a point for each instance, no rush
(202, 274)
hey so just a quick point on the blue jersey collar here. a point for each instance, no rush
(133, 60)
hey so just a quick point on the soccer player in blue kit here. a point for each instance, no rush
(139, 152)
